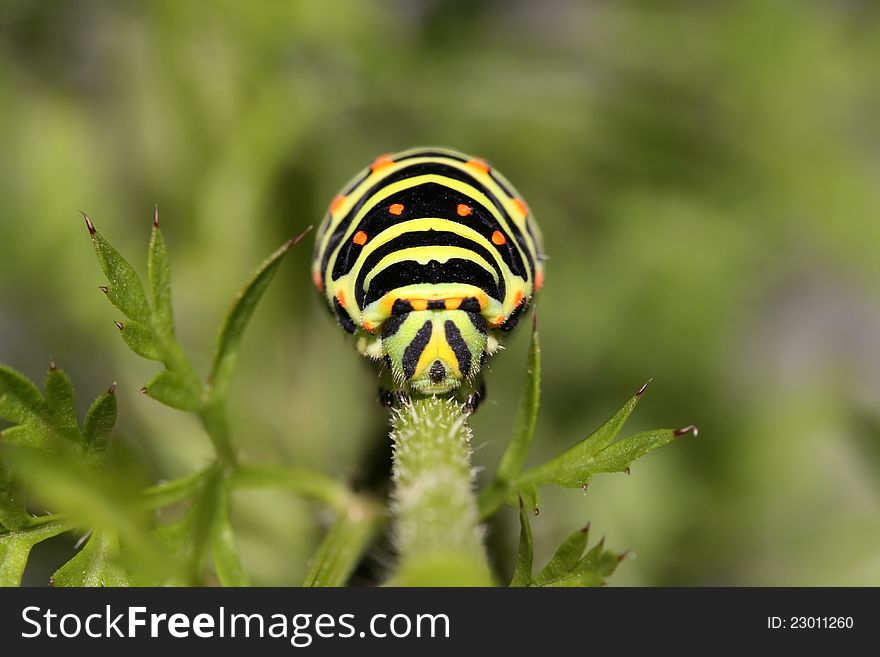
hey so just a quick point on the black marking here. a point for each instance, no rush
(471, 305)
(513, 319)
(414, 349)
(477, 320)
(391, 325)
(437, 304)
(408, 272)
(500, 182)
(437, 372)
(459, 347)
(422, 169)
(424, 238)
(432, 199)
(345, 320)
(401, 307)
(427, 152)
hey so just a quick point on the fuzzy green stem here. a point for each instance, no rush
(436, 521)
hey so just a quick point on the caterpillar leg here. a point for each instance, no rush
(473, 401)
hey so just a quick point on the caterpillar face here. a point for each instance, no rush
(426, 255)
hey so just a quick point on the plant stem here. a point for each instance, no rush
(213, 417)
(302, 481)
(341, 549)
(435, 512)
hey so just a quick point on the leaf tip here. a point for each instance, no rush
(691, 428)
(119, 325)
(104, 289)
(586, 529)
(52, 364)
(89, 223)
(521, 503)
(156, 215)
(536, 511)
(112, 389)
(296, 239)
(143, 390)
(627, 471)
(644, 387)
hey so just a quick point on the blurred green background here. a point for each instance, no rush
(705, 174)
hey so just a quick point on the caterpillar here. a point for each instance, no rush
(428, 256)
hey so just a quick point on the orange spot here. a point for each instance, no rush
(521, 206)
(463, 210)
(360, 238)
(318, 280)
(539, 280)
(498, 238)
(368, 326)
(419, 304)
(340, 297)
(483, 300)
(396, 208)
(382, 162)
(498, 321)
(453, 304)
(336, 203)
(518, 299)
(479, 165)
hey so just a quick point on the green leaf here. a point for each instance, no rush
(31, 434)
(125, 290)
(99, 421)
(239, 315)
(618, 456)
(570, 567)
(88, 496)
(96, 564)
(187, 542)
(527, 415)
(15, 548)
(604, 435)
(565, 558)
(522, 574)
(597, 453)
(141, 340)
(159, 274)
(173, 390)
(13, 513)
(226, 562)
(61, 403)
(20, 400)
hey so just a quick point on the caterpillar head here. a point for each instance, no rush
(434, 351)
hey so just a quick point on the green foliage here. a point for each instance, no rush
(229, 340)
(570, 565)
(65, 467)
(96, 564)
(574, 468)
(348, 538)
